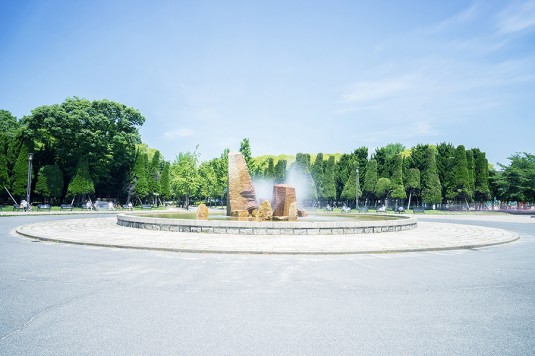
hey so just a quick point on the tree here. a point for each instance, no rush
(470, 163)
(103, 132)
(8, 129)
(269, 172)
(221, 171)
(342, 174)
(431, 188)
(329, 183)
(20, 173)
(317, 171)
(280, 171)
(154, 174)
(412, 183)
(164, 181)
(81, 183)
(49, 182)
(382, 188)
(207, 181)
(517, 181)
(184, 175)
(385, 158)
(398, 189)
(245, 150)
(460, 188)
(350, 188)
(418, 156)
(370, 181)
(140, 181)
(481, 179)
(4, 175)
(445, 161)
(8, 123)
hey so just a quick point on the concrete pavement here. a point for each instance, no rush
(428, 236)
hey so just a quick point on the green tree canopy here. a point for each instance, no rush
(185, 176)
(165, 185)
(280, 171)
(81, 183)
(20, 173)
(49, 182)
(382, 188)
(445, 159)
(481, 179)
(517, 180)
(412, 183)
(317, 171)
(460, 188)
(140, 174)
(329, 183)
(370, 180)
(431, 188)
(385, 158)
(104, 133)
(245, 150)
(398, 189)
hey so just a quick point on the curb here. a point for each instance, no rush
(516, 237)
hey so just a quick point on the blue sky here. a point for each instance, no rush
(292, 76)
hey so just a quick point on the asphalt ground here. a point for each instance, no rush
(64, 299)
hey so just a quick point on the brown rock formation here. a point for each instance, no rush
(293, 212)
(264, 211)
(202, 212)
(283, 196)
(240, 213)
(241, 193)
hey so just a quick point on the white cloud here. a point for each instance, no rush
(367, 91)
(467, 15)
(177, 133)
(517, 17)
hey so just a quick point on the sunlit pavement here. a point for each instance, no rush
(58, 299)
(427, 236)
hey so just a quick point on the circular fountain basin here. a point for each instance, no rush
(311, 225)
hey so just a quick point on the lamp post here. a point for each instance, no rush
(28, 186)
(357, 192)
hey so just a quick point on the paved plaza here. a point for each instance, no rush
(426, 237)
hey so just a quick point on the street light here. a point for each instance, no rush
(357, 192)
(28, 186)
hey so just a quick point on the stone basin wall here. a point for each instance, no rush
(266, 227)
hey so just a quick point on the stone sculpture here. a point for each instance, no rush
(283, 196)
(264, 211)
(202, 212)
(241, 192)
(293, 212)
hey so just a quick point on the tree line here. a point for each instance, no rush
(92, 149)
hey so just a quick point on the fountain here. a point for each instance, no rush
(279, 217)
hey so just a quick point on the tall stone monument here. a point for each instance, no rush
(241, 193)
(283, 196)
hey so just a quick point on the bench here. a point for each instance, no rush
(345, 209)
(381, 210)
(418, 210)
(66, 207)
(400, 210)
(44, 207)
(16, 207)
(146, 207)
(363, 209)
